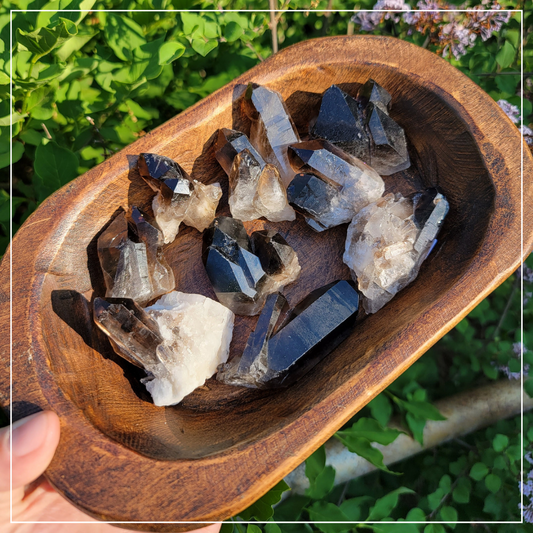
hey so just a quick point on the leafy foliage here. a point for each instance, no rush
(86, 84)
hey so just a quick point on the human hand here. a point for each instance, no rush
(35, 440)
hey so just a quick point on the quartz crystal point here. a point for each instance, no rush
(341, 122)
(132, 260)
(388, 146)
(388, 240)
(278, 357)
(245, 271)
(179, 341)
(272, 128)
(257, 190)
(363, 128)
(372, 92)
(229, 143)
(178, 199)
(358, 184)
(133, 334)
(318, 200)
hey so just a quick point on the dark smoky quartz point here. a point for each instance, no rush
(276, 355)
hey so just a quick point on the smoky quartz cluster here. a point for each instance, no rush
(332, 175)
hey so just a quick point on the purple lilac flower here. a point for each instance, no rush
(485, 22)
(456, 39)
(523, 270)
(414, 17)
(528, 512)
(527, 133)
(369, 21)
(510, 110)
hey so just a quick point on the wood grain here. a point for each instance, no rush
(223, 447)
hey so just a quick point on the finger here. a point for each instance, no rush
(35, 439)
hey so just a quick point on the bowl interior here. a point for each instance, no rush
(217, 417)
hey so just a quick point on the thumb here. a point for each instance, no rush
(35, 439)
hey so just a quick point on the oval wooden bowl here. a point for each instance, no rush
(123, 459)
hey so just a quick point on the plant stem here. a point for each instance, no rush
(259, 56)
(516, 284)
(273, 25)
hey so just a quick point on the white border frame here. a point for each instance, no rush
(94, 521)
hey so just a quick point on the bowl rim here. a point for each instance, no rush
(498, 141)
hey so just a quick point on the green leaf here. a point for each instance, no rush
(493, 482)
(461, 493)
(352, 507)
(170, 51)
(385, 505)
(74, 44)
(252, 528)
(315, 463)
(202, 47)
(328, 512)
(490, 371)
(322, 485)
(500, 442)
(191, 22)
(271, 527)
(416, 515)
(507, 84)
(479, 471)
(363, 448)
(232, 31)
(505, 56)
(16, 117)
(262, 509)
(370, 429)
(123, 35)
(55, 165)
(528, 387)
(381, 409)
(18, 151)
(416, 425)
(434, 528)
(42, 41)
(422, 409)
(397, 527)
(435, 498)
(227, 527)
(448, 514)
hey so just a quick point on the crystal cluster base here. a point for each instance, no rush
(180, 340)
(178, 199)
(387, 242)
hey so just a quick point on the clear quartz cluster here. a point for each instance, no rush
(178, 199)
(363, 128)
(339, 184)
(180, 340)
(256, 189)
(388, 240)
(132, 261)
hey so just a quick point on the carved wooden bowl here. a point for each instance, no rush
(120, 458)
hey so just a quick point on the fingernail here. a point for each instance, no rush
(28, 434)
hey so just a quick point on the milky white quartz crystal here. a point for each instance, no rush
(196, 333)
(385, 245)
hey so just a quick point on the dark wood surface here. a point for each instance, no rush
(120, 458)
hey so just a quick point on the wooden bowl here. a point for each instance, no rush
(122, 459)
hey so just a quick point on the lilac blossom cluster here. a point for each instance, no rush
(514, 116)
(518, 348)
(527, 489)
(452, 32)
